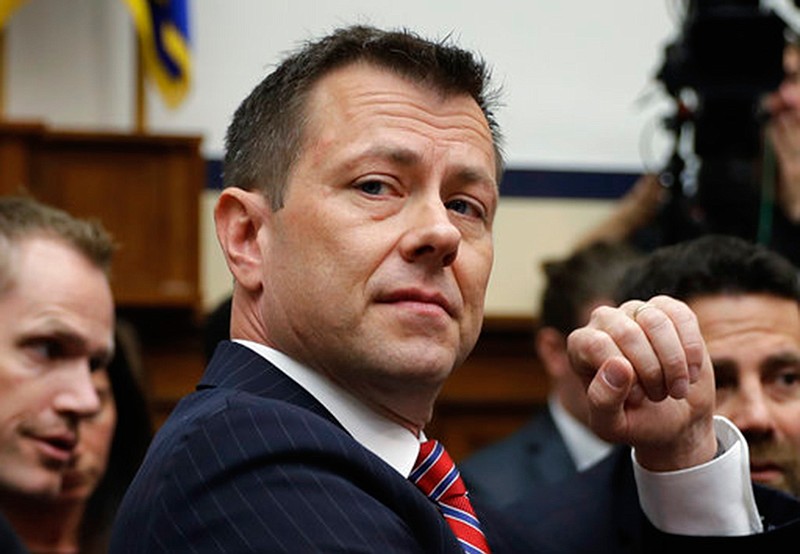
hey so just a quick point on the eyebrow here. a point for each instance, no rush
(406, 157)
(780, 360)
(56, 329)
(398, 155)
(772, 362)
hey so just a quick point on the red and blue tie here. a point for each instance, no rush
(436, 475)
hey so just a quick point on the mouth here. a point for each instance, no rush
(765, 472)
(423, 299)
(57, 448)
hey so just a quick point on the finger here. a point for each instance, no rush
(607, 394)
(688, 329)
(641, 349)
(589, 347)
(675, 336)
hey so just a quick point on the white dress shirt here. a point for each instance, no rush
(711, 499)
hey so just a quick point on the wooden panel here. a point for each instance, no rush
(17, 143)
(146, 191)
(172, 355)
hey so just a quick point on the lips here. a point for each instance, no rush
(58, 447)
(765, 471)
(419, 296)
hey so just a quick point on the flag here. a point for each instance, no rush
(7, 7)
(163, 29)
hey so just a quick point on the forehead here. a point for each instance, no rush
(57, 289)
(365, 100)
(744, 323)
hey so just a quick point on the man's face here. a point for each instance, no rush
(377, 265)
(56, 325)
(754, 342)
(89, 464)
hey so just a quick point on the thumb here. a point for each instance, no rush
(607, 394)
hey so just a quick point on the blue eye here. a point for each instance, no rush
(465, 207)
(372, 187)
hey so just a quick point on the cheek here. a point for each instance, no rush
(723, 407)
(473, 270)
(100, 435)
(24, 400)
(335, 251)
(788, 421)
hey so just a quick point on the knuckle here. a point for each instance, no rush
(626, 332)
(694, 349)
(673, 363)
(586, 348)
(602, 315)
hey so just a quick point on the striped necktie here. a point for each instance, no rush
(436, 475)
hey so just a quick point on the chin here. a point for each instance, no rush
(44, 488)
(433, 369)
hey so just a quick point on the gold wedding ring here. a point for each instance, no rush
(640, 309)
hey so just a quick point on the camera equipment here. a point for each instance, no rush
(727, 56)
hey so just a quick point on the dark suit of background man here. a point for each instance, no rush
(362, 183)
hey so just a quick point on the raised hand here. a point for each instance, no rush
(649, 381)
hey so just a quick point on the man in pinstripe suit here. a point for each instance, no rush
(362, 182)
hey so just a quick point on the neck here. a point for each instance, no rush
(46, 527)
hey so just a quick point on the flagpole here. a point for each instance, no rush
(2, 73)
(141, 92)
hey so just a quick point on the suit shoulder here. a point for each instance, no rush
(237, 458)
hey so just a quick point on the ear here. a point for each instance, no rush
(551, 346)
(240, 216)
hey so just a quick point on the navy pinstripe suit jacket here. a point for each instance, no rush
(251, 462)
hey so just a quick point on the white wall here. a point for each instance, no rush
(577, 76)
(572, 70)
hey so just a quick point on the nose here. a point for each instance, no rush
(431, 236)
(749, 411)
(76, 395)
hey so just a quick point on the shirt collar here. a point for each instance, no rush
(393, 443)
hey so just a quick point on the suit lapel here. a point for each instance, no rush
(552, 460)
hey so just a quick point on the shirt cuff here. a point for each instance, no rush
(715, 498)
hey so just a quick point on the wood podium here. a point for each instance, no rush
(144, 188)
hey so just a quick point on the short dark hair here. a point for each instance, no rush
(710, 265)
(267, 132)
(572, 283)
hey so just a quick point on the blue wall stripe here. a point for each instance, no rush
(524, 183)
(536, 183)
(214, 174)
